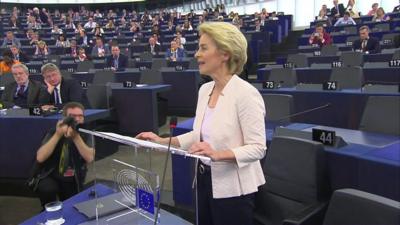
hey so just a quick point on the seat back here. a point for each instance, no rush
(348, 77)
(396, 54)
(296, 177)
(193, 65)
(350, 29)
(350, 206)
(85, 66)
(329, 50)
(55, 59)
(381, 114)
(285, 76)
(352, 58)
(97, 96)
(6, 78)
(278, 107)
(380, 27)
(299, 60)
(157, 63)
(150, 77)
(103, 77)
(146, 56)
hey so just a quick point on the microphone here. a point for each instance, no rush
(304, 112)
(172, 125)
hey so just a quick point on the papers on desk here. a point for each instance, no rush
(137, 142)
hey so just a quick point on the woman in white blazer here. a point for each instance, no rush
(229, 128)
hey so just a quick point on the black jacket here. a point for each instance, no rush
(372, 46)
(70, 91)
(122, 61)
(341, 10)
(157, 48)
(35, 92)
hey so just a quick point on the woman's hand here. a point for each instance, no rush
(205, 149)
(150, 136)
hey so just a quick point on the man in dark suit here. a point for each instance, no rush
(18, 54)
(22, 93)
(116, 61)
(366, 44)
(59, 90)
(152, 47)
(175, 53)
(337, 10)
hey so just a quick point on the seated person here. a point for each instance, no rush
(10, 39)
(59, 90)
(116, 61)
(174, 53)
(100, 49)
(22, 93)
(62, 42)
(345, 20)
(7, 62)
(337, 10)
(152, 47)
(98, 31)
(73, 49)
(351, 8)
(320, 37)
(380, 16)
(366, 43)
(373, 10)
(396, 9)
(34, 39)
(18, 54)
(63, 156)
(82, 55)
(42, 49)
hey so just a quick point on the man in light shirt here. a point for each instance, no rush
(345, 20)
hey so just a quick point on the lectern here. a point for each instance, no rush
(135, 181)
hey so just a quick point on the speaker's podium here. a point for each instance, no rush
(133, 175)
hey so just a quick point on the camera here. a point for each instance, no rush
(70, 121)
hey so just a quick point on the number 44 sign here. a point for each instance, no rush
(324, 136)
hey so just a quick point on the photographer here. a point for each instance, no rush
(63, 157)
(320, 37)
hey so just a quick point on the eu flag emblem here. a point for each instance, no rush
(145, 200)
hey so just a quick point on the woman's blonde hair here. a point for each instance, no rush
(230, 40)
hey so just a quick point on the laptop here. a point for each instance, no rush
(106, 205)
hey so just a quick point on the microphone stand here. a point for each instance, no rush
(172, 125)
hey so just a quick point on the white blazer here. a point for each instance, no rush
(237, 124)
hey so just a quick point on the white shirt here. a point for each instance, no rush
(58, 92)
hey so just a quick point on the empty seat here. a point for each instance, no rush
(296, 180)
(6, 78)
(388, 39)
(193, 65)
(279, 107)
(299, 60)
(351, 30)
(85, 66)
(352, 58)
(150, 77)
(285, 77)
(97, 96)
(350, 206)
(146, 56)
(351, 39)
(103, 77)
(158, 63)
(348, 77)
(329, 50)
(381, 114)
(396, 54)
(380, 27)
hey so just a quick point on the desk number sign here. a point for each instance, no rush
(330, 86)
(394, 63)
(288, 65)
(326, 137)
(83, 84)
(269, 85)
(35, 111)
(336, 64)
(128, 84)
